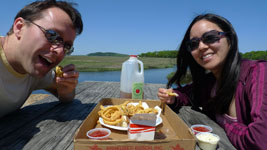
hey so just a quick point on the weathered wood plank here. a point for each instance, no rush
(151, 90)
(21, 117)
(189, 117)
(49, 124)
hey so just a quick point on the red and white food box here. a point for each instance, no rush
(142, 127)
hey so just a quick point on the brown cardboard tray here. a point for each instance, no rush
(171, 134)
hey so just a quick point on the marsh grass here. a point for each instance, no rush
(113, 63)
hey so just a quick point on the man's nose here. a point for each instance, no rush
(58, 49)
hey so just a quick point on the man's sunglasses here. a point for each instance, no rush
(55, 39)
(209, 37)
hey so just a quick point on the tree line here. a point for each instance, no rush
(163, 53)
(254, 55)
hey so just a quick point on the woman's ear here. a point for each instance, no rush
(18, 27)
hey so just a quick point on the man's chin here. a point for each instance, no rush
(38, 74)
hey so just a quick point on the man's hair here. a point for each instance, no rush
(33, 11)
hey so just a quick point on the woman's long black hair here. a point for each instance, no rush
(229, 77)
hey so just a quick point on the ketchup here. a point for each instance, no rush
(98, 133)
(201, 129)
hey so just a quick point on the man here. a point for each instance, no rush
(43, 32)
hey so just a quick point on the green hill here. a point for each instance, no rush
(106, 54)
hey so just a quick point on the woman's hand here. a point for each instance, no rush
(165, 97)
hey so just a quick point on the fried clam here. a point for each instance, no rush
(123, 107)
(59, 72)
(132, 109)
(172, 94)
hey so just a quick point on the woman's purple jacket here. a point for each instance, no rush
(250, 131)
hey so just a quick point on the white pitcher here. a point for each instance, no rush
(132, 78)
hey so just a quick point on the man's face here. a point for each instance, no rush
(36, 54)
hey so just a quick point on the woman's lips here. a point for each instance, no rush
(206, 57)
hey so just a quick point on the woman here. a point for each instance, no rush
(231, 91)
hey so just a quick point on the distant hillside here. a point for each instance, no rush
(106, 54)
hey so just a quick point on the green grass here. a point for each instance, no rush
(113, 63)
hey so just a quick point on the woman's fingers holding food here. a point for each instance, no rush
(162, 93)
(170, 92)
(166, 95)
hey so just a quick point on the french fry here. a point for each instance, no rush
(118, 114)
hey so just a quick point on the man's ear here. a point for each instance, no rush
(18, 27)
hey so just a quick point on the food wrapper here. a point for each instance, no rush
(144, 119)
(142, 126)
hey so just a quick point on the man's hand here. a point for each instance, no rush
(65, 85)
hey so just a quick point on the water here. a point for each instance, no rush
(151, 76)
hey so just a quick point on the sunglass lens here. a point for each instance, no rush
(51, 35)
(68, 49)
(194, 44)
(211, 37)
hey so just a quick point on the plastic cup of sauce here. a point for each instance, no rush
(197, 128)
(98, 133)
(207, 141)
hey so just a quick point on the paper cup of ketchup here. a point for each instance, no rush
(198, 128)
(98, 133)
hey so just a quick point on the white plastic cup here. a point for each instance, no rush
(207, 141)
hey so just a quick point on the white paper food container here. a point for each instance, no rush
(142, 127)
(141, 132)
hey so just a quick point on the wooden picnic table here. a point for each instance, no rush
(49, 124)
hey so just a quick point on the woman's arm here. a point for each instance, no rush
(252, 134)
(182, 99)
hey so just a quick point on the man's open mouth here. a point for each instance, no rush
(47, 62)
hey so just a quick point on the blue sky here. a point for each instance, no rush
(139, 26)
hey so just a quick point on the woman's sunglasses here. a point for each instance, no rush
(207, 38)
(55, 39)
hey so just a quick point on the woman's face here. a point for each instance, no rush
(209, 56)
